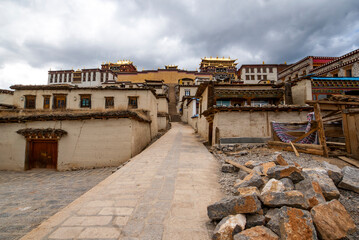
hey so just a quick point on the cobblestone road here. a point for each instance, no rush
(28, 198)
(162, 193)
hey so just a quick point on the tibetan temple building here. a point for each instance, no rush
(222, 69)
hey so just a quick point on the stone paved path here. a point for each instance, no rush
(161, 193)
(28, 198)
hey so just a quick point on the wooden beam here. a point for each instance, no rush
(294, 149)
(303, 148)
(313, 102)
(349, 160)
(305, 135)
(321, 133)
(333, 119)
(237, 165)
(332, 113)
(346, 130)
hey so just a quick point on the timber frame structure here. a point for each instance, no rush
(339, 108)
(344, 109)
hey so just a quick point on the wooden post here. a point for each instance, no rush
(346, 130)
(321, 133)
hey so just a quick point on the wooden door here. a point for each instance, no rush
(46, 102)
(210, 133)
(60, 101)
(43, 154)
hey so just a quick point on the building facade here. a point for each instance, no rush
(260, 73)
(222, 69)
(302, 68)
(81, 77)
(344, 66)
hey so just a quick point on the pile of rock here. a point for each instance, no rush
(277, 200)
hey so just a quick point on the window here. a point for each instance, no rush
(187, 92)
(223, 103)
(59, 101)
(83, 75)
(88, 76)
(335, 75)
(46, 102)
(101, 77)
(30, 102)
(109, 102)
(252, 70)
(264, 77)
(264, 70)
(106, 76)
(132, 102)
(65, 77)
(85, 101)
(252, 77)
(94, 76)
(259, 77)
(270, 69)
(247, 77)
(51, 76)
(55, 78)
(258, 70)
(348, 73)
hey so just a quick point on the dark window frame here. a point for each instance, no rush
(30, 102)
(109, 102)
(133, 102)
(85, 100)
(56, 98)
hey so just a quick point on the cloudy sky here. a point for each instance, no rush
(36, 35)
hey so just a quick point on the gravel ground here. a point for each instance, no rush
(259, 152)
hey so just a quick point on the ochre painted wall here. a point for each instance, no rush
(169, 76)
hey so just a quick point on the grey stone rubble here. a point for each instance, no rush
(290, 187)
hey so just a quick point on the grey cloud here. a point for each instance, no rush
(273, 31)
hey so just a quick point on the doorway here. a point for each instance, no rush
(42, 154)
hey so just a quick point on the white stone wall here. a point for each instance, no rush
(202, 123)
(271, 76)
(355, 69)
(301, 92)
(88, 144)
(252, 124)
(192, 121)
(146, 100)
(300, 69)
(162, 104)
(85, 81)
(162, 123)
(192, 89)
(6, 98)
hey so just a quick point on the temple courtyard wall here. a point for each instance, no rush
(88, 143)
(250, 126)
